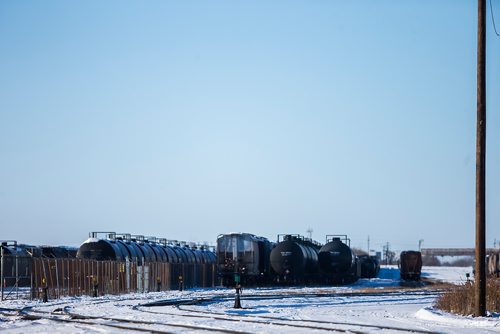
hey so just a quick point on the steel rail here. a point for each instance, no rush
(265, 319)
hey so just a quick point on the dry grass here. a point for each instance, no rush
(460, 300)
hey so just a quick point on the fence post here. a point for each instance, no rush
(142, 274)
(127, 273)
(17, 276)
(34, 273)
(57, 281)
(63, 276)
(31, 287)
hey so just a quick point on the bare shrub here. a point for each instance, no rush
(461, 300)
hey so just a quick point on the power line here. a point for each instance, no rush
(493, 19)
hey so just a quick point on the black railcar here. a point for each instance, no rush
(338, 263)
(295, 260)
(369, 266)
(245, 255)
(107, 249)
(410, 265)
(58, 252)
(122, 247)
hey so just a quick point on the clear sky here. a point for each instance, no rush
(188, 119)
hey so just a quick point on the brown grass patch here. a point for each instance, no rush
(461, 300)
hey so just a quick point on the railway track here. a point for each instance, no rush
(188, 308)
(66, 316)
(321, 325)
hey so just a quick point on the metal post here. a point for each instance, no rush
(127, 273)
(237, 286)
(480, 275)
(57, 280)
(31, 286)
(17, 277)
(237, 299)
(142, 275)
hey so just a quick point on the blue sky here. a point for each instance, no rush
(187, 119)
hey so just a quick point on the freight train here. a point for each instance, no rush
(240, 258)
(292, 260)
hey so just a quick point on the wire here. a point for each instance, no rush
(493, 19)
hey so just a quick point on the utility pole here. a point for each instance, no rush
(386, 253)
(368, 245)
(480, 275)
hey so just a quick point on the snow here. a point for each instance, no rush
(90, 240)
(438, 316)
(376, 305)
(455, 275)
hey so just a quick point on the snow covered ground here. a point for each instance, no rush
(370, 306)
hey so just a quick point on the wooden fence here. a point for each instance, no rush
(76, 277)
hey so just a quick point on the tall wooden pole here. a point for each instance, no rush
(480, 275)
